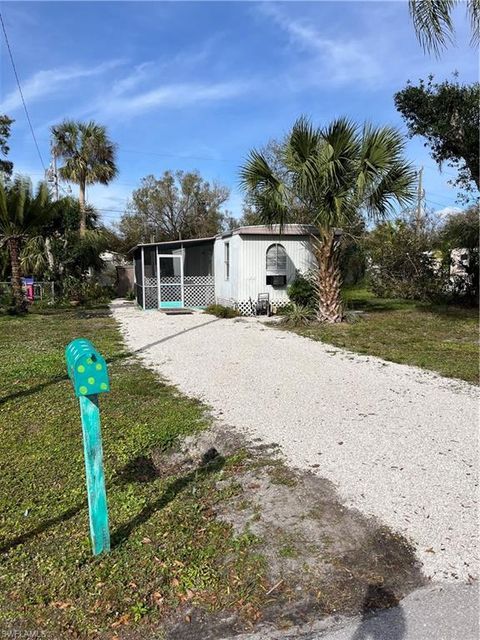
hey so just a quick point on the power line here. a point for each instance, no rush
(20, 91)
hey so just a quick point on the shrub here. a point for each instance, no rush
(402, 264)
(85, 291)
(302, 292)
(297, 315)
(130, 295)
(221, 312)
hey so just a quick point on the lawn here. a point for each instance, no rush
(167, 547)
(443, 339)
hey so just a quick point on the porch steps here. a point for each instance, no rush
(176, 312)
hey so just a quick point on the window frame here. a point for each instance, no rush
(226, 260)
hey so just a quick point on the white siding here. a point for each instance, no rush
(226, 291)
(254, 270)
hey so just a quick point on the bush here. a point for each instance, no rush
(85, 291)
(402, 264)
(302, 292)
(297, 315)
(221, 312)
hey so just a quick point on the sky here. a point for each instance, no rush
(197, 85)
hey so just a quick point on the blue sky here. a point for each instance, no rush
(196, 85)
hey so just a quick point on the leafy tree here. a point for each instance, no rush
(333, 174)
(432, 20)
(22, 214)
(403, 262)
(178, 205)
(6, 166)
(460, 231)
(88, 155)
(58, 251)
(446, 114)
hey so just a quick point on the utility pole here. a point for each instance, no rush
(420, 196)
(51, 175)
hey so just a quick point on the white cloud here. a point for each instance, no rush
(336, 61)
(172, 95)
(47, 82)
(447, 211)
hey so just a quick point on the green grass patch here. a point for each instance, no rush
(440, 338)
(168, 549)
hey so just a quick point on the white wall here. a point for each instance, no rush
(226, 291)
(248, 269)
(253, 271)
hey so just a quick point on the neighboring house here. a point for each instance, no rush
(231, 269)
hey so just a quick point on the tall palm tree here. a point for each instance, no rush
(88, 155)
(433, 22)
(22, 214)
(332, 175)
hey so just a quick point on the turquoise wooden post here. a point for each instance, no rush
(88, 372)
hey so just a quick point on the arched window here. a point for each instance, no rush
(276, 258)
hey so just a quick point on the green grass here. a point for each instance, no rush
(167, 547)
(443, 339)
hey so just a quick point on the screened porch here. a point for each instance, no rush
(174, 275)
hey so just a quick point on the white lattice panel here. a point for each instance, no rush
(170, 280)
(199, 296)
(199, 280)
(150, 282)
(170, 293)
(247, 307)
(151, 298)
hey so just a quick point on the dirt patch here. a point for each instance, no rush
(322, 558)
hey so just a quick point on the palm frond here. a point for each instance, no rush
(432, 20)
(269, 194)
(473, 10)
(396, 186)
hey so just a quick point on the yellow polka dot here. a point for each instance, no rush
(98, 367)
(83, 390)
(91, 380)
(81, 368)
(89, 361)
(104, 386)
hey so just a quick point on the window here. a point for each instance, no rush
(276, 259)
(227, 261)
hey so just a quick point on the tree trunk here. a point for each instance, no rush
(13, 247)
(328, 280)
(83, 213)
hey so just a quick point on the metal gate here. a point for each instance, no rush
(170, 281)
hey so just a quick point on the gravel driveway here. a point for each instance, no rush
(399, 443)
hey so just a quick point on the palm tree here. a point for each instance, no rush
(331, 175)
(88, 155)
(432, 20)
(22, 214)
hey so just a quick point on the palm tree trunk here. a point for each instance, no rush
(13, 248)
(328, 280)
(83, 214)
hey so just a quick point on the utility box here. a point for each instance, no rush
(86, 368)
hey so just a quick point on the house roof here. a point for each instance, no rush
(274, 229)
(172, 243)
(254, 230)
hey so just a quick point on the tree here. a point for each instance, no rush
(22, 214)
(177, 205)
(88, 155)
(6, 166)
(460, 231)
(446, 114)
(58, 251)
(403, 262)
(333, 174)
(432, 20)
